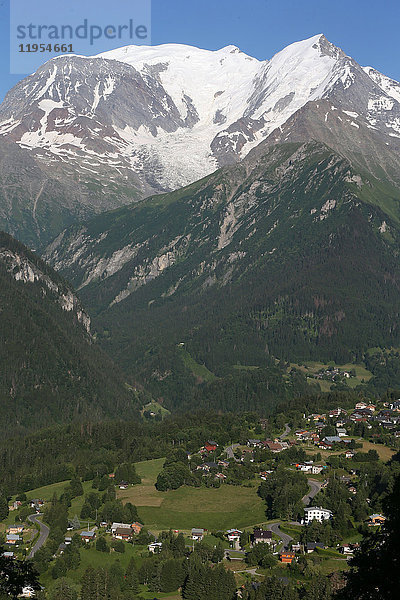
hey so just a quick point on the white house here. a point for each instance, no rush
(197, 534)
(341, 432)
(316, 512)
(234, 535)
(28, 592)
(316, 469)
(155, 547)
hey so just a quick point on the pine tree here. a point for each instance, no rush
(76, 524)
(131, 580)
(64, 589)
(171, 575)
(101, 544)
(88, 583)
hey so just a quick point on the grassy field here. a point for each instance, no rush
(384, 452)
(313, 367)
(199, 371)
(156, 408)
(90, 557)
(189, 507)
(47, 492)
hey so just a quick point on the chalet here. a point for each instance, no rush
(361, 405)
(365, 412)
(15, 505)
(346, 549)
(349, 454)
(88, 536)
(123, 485)
(233, 535)
(303, 434)
(333, 439)
(311, 546)
(317, 469)
(137, 527)
(68, 541)
(306, 467)
(122, 533)
(197, 534)
(210, 446)
(8, 554)
(223, 463)
(15, 529)
(316, 513)
(155, 547)
(207, 466)
(352, 489)
(262, 536)
(274, 446)
(394, 405)
(376, 519)
(12, 539)
(341, 432)
(254, 443)
(336, 412)
(287, 557)
(36, 504)
(116, 526)
(220, 476)
(316, 417)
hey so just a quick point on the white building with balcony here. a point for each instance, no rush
(316, 512)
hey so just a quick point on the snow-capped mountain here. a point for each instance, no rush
(140, 120)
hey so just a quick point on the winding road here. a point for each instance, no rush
(286, 539)
(315, 488)
(286, 432)
(230, 451)
(43, 534)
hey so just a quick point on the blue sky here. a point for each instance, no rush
(368, 31)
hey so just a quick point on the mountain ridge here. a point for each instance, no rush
(138, 121)
(208, 261)
(52, 369)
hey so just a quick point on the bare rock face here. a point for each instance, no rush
(26, 269)
(96, 133)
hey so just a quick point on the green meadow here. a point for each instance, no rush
(187, 507)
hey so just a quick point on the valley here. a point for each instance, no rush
(199, 326)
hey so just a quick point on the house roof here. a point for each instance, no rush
(88, 534)
(123, 531)
(233, 531)
(313, 545)
(262, 534)
(125, 525)
(197, 531)
(312, 508)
